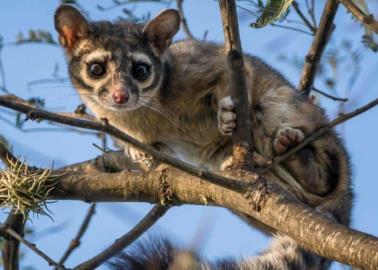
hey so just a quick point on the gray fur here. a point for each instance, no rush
(160, 254)
(179, 114)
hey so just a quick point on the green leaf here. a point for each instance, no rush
(271, 12)
(368, 39)
(35, 36)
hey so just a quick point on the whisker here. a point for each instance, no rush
(162, 109)
(157, 105)
(163, 113)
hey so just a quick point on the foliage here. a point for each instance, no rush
(271, 12)
(24, 188)
(35, 36)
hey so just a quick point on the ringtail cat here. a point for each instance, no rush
(175, 97)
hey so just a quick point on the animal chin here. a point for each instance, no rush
(122, 107)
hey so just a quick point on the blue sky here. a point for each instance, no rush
(224, 234)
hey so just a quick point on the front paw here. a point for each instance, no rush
(226, 116)
(287, 137)
(138, 156)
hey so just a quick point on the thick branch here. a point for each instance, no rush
(120, 244)
(285, 214)
(263, 201)
(242, 136)
(367, 19)
(109, 162)
(318, 44)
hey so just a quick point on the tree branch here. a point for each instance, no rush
(281, 212)
(184, 22)
(319, 132)
(321, 38)
(242, 136)
(35, 113)
(227, 182)
(120, 244)
(262, 200)
(10, 247)
(303, 17)
(31, 246)
(109, 162)
(6, 156)
(367, 19)
(75, 243)
(329, 96)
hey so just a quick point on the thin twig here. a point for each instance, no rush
(329, 96)
(2, 71)
(367, 19)
(319, 132)
(303, 17)
(3, 89)
(291, 28)
(321, 38)
(229, 183)
(11, 246)
(35, 113)
(75, 243)
(312, 12)
(103, 150)
(121, 243)
(6, 156)
(242, 136)
(226, 182)
(184, 22)
(31, 246)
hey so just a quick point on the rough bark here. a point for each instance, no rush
(278, 210)
(253, 195)
(242, 136)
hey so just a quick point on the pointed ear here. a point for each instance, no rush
(161, 29)
(71, 26)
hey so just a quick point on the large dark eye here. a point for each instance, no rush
(96, 70)
(140, 71)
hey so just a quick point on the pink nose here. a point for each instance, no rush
(120, 97)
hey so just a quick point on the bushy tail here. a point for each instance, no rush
(160, 254)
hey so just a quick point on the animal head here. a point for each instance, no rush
(118, 66)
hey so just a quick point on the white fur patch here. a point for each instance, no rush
(98, 55)
(140, 57)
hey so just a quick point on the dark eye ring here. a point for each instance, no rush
(96, 69)
(140, 71)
